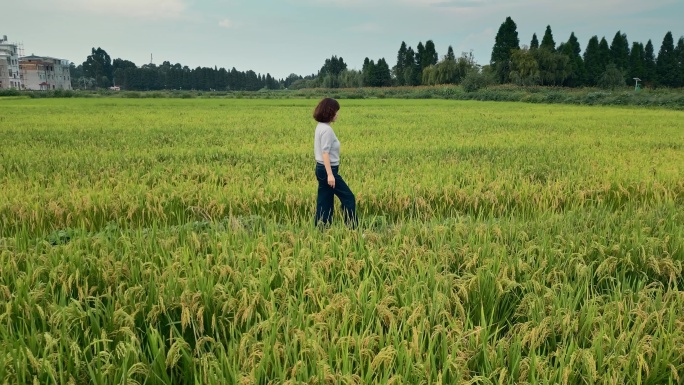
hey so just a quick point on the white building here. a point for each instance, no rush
(42, 73)
(10, 76)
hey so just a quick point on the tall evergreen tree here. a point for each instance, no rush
(561, 46)
(604, 51)
(420, 59)
(547, 41)
(505, 42)
(430, 56)
(382, 73)
(574, 45)
(577, 72)
(534, 44)
(650, 73)
(679, 53)
(636, 62)
(410, 68)
(400, 67)
(368, 72)
(666, 64)
(619, 51)
(592, 61)
(333, 66)
(450, 54)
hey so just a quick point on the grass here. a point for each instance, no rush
(170, 241)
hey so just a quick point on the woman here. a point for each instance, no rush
(330, 182)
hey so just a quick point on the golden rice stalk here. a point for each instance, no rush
(175, 352)
(675, 373)
(385, 356)
(139, 369)
(590, 364)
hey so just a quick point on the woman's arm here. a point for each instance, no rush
(328, 169)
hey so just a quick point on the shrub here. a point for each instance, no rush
(132, 95)
(613, 78)
(10, 92)
(474, 80)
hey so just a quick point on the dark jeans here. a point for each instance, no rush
(326, 198)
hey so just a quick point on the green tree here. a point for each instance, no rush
(613, 77)
(577, 72)
(450, 54)
(547, 41)
(449, 70)
(420, 59)
(368, 71)
(505, 42)
(221, 79)
(76, 74)
(666, 64)
(376, 75)
(619, 51)
(333, 66)
(592, 62)
(401, 65)
(74, 71)
(411, 72)
(554, 67)
(430, 75)
(329, 73)
(534, 44)
(636, 62)
(475, 79)
(426, 57)
(524, 68)
(604, 51)
(119, 67)
(382, 73)
(351, 79)
(650, 73)
(679, 53)
(98, 65)
(466, 64)
(291, 78)
(430, 56)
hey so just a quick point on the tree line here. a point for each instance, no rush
(540, 63)
(601, 64)
(99, 71)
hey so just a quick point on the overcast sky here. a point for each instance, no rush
(296, 36)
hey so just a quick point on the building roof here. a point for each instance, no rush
(43, 58)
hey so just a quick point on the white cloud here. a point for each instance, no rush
(226, 23)
(608, 7)
(340, 3)
(365, 27)
(448, 3)
(134, 9)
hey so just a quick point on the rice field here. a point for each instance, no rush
(165, 241)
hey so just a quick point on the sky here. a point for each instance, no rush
(296, 36)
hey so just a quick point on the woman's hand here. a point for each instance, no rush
(328, 169)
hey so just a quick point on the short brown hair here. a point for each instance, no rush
(325, 110)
